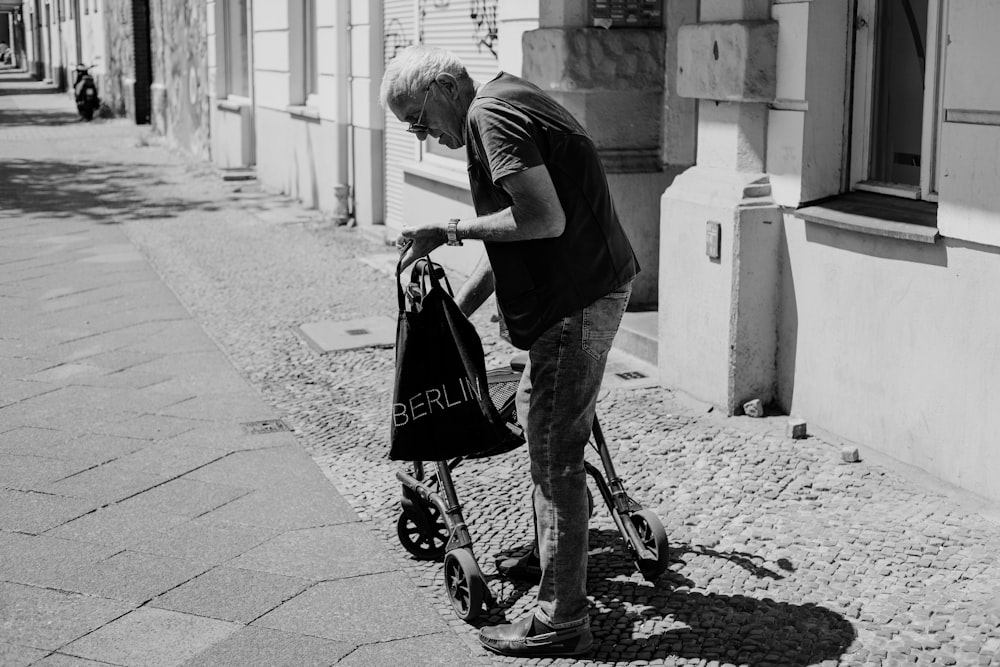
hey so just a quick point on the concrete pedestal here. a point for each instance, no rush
(718, 286)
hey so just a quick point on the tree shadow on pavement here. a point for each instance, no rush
(29, 87)
(105, 192)
(634, 619)
(38, 117)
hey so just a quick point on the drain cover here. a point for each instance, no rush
(333, 336)
(265, 426)
(627, 372)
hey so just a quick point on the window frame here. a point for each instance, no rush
(310, 54)
(229, 26)
(866, 29)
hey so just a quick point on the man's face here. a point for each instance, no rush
(432, 113)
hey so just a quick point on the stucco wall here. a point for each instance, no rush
(180, 69)
(296, 156)
(892, 344)
(116, 89)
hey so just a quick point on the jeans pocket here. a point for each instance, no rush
(601, 320)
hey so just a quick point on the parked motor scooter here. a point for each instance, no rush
(85, 90)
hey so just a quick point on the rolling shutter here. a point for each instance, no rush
(466, 28)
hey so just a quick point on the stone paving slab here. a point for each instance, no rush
(260, 646)
(187, 497)
(319, 554)
(26, 472)
(204, 539)
(13, 391)
(35, 513)
(117, 526)
(104, 484)
(132, 577)
(46, 619)
(169, 458)
(43, 561)
(62, 660)
(19, 656)
(286, 510)
(232, 594)
(151, 638)
(89, 449)
(354, 610)
(434, 649)
(258, 469)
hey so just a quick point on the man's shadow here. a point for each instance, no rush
(633, 619)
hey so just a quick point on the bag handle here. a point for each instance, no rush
(424, 269)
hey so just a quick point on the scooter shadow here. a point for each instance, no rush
(634, 619)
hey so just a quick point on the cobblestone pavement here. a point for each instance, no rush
(782, 554)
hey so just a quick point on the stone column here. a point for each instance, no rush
(720, 226)
(612, 81)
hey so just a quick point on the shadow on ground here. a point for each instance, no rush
(38, 117)
(105, 192)
(668, 619)
(21, 83)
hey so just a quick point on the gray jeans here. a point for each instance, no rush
(556, 402)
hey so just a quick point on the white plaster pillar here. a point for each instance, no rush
(720, 226)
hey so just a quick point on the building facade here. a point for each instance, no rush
(833, 249)
(59, 35)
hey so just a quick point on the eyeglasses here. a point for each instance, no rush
(417, 127)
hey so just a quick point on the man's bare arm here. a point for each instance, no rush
(535, 213)
(477, 288)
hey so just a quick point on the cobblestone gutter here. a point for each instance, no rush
(782, 553)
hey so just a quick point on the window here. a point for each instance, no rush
(237, 62)
(473, 37)
(897, 97)
(310, 56)
(303, 58)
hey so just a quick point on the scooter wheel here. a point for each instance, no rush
(423, 544)
(464, 584)
(654, 538)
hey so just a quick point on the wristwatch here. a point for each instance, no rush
(453, 232)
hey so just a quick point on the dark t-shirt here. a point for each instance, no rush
(513, 126)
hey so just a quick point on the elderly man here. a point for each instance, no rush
(562, 268)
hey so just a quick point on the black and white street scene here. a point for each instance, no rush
(447, 332)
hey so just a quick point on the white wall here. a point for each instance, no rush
(892, 344)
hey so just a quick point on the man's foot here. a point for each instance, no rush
(527, 568)
(529, 637)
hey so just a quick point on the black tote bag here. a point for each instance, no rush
(441, 400)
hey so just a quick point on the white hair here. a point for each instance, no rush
(413, 69)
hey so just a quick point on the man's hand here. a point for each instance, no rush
(416, 242)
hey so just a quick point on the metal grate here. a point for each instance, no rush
(265, 426)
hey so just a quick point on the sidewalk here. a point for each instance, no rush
(148, 310)
(141, 521)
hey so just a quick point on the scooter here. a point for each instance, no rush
(85, 90)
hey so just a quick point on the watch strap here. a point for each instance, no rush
(453, 239)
